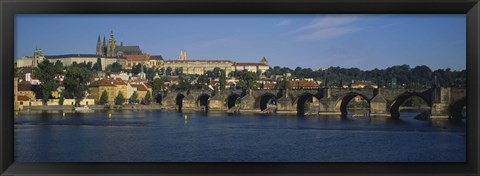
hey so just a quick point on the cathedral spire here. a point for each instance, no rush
(104, 43)
(111, 34)
(99, 46)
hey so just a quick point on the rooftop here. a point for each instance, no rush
(302, 83)
(198, 61)
(140, 87)
(249, 64)
(137, 57)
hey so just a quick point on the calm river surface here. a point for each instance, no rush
(152, 136)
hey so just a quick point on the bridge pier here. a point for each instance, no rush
(247, 102)
(378, 106)
(284, 104)
(327, 106)
(189, 103)
(313, 108)
(440, 111)
(217, 103)
(441, 103)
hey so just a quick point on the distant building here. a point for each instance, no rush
(303, 84)
(144, 59)
(260, 67)
(99, 86)
(25, 89)
(200, 67)
(122, 75)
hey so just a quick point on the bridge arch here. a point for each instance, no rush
(179, 101)
(265, 99)
(344, 100)
(456, 108)
(400, 99)
(202, 100)
(302, 100)
(231, 99)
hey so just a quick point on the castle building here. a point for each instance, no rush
(200, 67)
(111, 49)
(260, 67)
(108, 52)
(145, 59)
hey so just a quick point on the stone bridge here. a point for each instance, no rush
(443, 102)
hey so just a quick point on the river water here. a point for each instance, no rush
(153, 136)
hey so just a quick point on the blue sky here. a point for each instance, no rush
(313, 41)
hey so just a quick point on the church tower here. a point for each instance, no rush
(37, 57)
(183, 55)
(99, 47)
(111, 46)
(104, 46)
(264, 61)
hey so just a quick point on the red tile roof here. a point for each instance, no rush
(137, 57)
(117, 81)
(139, 87)
(103, 83)
(23, 98)
(302, 83)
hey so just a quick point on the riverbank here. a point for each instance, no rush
(92, 107)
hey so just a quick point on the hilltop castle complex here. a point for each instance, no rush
(108, 52)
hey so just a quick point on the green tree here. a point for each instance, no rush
(76, 83)
(268, 73)
(59, 67)
(46, 72)
(120, 99)
(179, 71)
(223, 80)
(134, 98)
(184, 83)
(150, 72)
(147, 99)
(202, 81)
(103, 98)
(138, 68)
(157, 85)
(115, 67)
(282, 84)
(168, 71)
(98, 65)
(247, 80)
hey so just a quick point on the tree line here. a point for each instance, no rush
(419, 76)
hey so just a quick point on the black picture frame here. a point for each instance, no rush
(8, 8)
